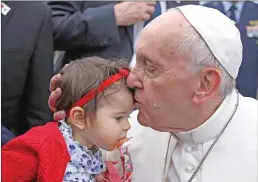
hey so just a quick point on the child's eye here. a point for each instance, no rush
(119, 118)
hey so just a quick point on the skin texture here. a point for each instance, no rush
(107, 125)
(169, 97)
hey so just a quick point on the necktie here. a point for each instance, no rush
(232, 11)
(156, 13)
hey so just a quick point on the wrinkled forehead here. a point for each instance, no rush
(162, 35)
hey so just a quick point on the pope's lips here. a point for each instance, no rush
(137, 104)
(137, 101)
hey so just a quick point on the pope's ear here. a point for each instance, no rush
(77, 117)
(210, 80)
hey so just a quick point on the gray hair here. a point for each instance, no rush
(193, 44)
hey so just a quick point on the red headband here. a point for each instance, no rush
(106, 83)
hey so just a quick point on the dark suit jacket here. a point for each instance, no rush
(247, 78)
(27, 65)
(88, 28)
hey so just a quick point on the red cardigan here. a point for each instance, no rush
(38, 155)
(41, 155)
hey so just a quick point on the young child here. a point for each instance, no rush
(98, 103)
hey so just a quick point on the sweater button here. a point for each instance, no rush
(188, 149)
(189, 169)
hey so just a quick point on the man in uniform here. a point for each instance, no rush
(245, 14)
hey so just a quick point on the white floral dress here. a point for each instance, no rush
(84, 163)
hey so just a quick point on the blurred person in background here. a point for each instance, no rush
(245, 14)
(27, 64)
(107, 29)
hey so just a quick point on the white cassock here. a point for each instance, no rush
(158, 157)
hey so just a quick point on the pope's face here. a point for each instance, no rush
(163, 83)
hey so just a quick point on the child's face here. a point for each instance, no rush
(111, 121)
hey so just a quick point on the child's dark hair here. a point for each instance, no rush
(84, 75)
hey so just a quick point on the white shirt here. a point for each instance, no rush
(137, 28)
(233, 159)
(233, 151)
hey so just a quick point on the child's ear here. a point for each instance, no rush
(88, 120)
(77, 116)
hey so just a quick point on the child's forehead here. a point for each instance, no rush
(118, 96)
(117, 106)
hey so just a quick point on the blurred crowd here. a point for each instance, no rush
(39, 38)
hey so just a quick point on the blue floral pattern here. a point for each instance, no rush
(84, 162)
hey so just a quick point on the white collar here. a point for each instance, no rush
(212, 127)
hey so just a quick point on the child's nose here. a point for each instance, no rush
(127, 126)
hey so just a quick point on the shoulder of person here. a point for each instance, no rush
(34, 141)
(47, 133)
(250, 105)
(253, 4)
(245, 120)
(210, 4)
(38, 8)
(39, 136)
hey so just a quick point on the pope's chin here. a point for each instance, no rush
(144, 121)
(142, 118)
